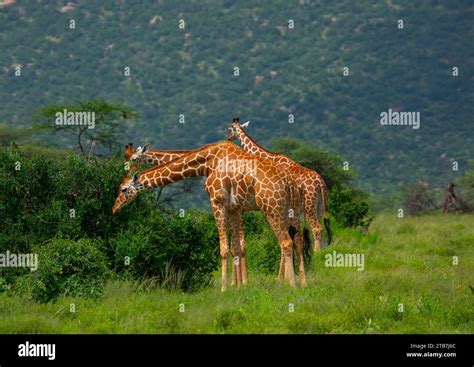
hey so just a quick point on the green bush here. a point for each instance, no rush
(36, 201)
(349, 207)
(189, 245)
(68, 267)
(263, 250)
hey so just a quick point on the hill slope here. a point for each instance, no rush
(283, 71)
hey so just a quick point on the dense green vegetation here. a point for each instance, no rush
(53, 201)
(190, 71)
(408, 262)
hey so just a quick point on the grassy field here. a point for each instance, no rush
(409, 285)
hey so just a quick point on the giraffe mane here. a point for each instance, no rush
(254, 142)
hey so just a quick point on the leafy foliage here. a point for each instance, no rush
(349, 207)
(263, 251)
(188, 243)
(45, 197)
(69, 267)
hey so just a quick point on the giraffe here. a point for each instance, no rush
(235, 181)
(158, 157)
(311, 185)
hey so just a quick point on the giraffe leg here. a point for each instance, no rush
(243, 251)
(236, 268)
(235, 219)
(234, 272)
(279, 226)
(310, 202)
(220, 218)
(232, 252)
(234, 277)
(297, 236)
(281, 272)
(287, 248)
(316, 229)
(299, 243)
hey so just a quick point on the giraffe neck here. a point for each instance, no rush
(191, 164)
(250, 145)
(159, 157)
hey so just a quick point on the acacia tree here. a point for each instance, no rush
(99, 139)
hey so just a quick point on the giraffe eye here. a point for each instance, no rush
(124, 190)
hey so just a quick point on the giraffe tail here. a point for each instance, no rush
(321, 212)
(327, 226)
(307, 246)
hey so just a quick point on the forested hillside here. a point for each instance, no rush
(187, 68)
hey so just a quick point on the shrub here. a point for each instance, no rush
(348, 207)
(68, 267)
(36, 199)
(263, 250)
(188, 246)
(418, 198)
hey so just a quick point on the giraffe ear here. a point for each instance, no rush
(246, 124)
(136, 178)
(145, 148)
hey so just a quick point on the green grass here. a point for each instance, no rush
(407, 261)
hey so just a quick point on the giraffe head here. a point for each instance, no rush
(135, 155)
(128, 190)
(236, 129)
